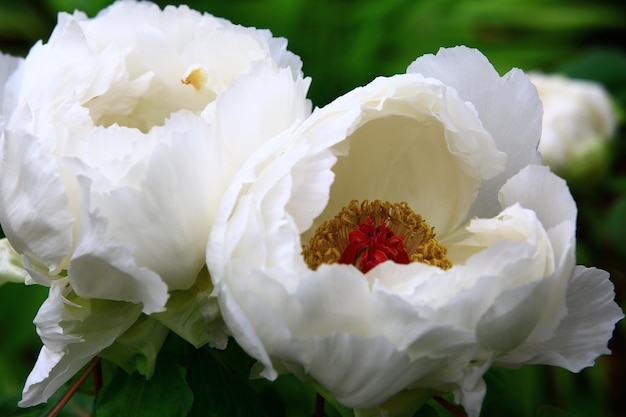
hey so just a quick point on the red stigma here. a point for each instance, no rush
(370, 245)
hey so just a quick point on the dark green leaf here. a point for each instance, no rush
(8, 407)
(616, 225)
(497, 380)
(220, 385)
(606, 66)
(166, 394)
(19, 342)
(550, 411)
(428, 411)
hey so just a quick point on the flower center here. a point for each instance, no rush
(148, 100)
(366, 234)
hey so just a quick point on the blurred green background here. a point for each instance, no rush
(346, 43)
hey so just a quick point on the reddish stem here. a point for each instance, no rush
(451, 408)
(319, 406)
(94, 362)
(97, 379)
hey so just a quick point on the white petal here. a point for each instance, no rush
(472, 390)
(535, 187)
(583, 334)
(10, 264)
(118, 277)
(312, 177)
(115, 156)
(512, 316)
(364, 372)
(257, 107)
(8, 65)
(167, 219)
(508, 107)
(34, 211)
(73, 334)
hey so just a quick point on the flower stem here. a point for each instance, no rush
(451, 408)
(93, 364)
(319, 406)
(97, 379)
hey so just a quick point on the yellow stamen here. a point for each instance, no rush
(332, 238)
(194, 76)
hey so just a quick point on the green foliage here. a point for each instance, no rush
(616, 224)
(138, 347)
(428, 411)
(166, 394)
(19, 343)
(203, 383)
(219, 380)
(549, 411)
(604, 65)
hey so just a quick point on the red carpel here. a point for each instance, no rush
(371, 245)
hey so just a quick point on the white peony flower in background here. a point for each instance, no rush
(435, 246)
(120, 135)
(578, 120)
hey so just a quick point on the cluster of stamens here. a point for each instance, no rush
(365, 234)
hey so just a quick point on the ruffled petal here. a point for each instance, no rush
(508, 107)
(28, 189)
(118, 276)
(583, 333)
(74, 331)
(338, 365)
(545, 193)
(536, 188)
(168, 218)
(270, 102)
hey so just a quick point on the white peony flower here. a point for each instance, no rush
(577, 118)
(120, 135)
(448, 149)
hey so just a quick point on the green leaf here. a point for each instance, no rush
(616, 225)
(497, 380)
(428, 411)
(138, 347)
(8, 407)
(289, 396)
(19, 342)
(604, 65)
(550, 411)
(166, 394)
(403, 404)
(90, 7)
(185, 317)
(220, 384)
